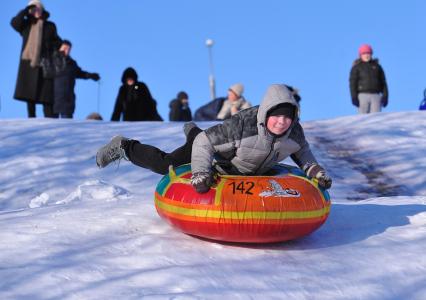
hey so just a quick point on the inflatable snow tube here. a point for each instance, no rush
(248, 209)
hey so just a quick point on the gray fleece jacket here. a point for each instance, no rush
(243, 145)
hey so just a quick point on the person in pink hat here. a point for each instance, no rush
(368, 87)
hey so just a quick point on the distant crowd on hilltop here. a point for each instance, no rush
(47, 75)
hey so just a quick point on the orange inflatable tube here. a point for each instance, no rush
(250, 209)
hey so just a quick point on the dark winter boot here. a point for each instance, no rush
(111, 152)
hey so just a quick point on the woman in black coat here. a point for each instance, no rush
(179, 108)
(134, 101)
(39, 39)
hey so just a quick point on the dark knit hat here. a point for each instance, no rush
(182, 95)
(284, 109)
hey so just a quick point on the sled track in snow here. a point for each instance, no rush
(378, 183)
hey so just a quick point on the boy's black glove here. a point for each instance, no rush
(94, 76)
(202, 181)
(317, 172)
(384, 101)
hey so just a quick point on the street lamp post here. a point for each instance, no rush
(209, 44)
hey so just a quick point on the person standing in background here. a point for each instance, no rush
(179, 108)
(234, 103)
(39, 40)
(367, 81)
(134, 101)
(66, 71)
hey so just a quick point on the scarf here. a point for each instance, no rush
(32, 49)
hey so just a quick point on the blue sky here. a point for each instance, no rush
(307, 44)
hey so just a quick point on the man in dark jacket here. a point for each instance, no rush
(249, 143)
(134, 101)
(367, 80)
(39, 40)
(66, 71)
(179, 108)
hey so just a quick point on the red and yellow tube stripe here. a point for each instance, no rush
(244, 209)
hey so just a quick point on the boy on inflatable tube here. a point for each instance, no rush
(249, 143)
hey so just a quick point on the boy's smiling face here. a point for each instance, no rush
(278, 124)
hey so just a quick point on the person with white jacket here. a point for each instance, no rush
(234, 103)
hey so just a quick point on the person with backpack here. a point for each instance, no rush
(249, 143)
(369, 90)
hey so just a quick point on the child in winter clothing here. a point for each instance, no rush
(179, 108)
(249, 143)
(368, 86)
(66, 71)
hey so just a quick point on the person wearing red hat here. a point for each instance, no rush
(367, 80)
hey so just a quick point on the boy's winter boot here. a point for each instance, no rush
(111, 152)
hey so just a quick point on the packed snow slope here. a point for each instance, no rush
(69, 230)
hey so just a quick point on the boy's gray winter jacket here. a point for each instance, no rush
(243, 145)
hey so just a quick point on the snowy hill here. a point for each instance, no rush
(71, 231)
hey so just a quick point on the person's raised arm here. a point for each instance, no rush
(87, 75)
(21, 20)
